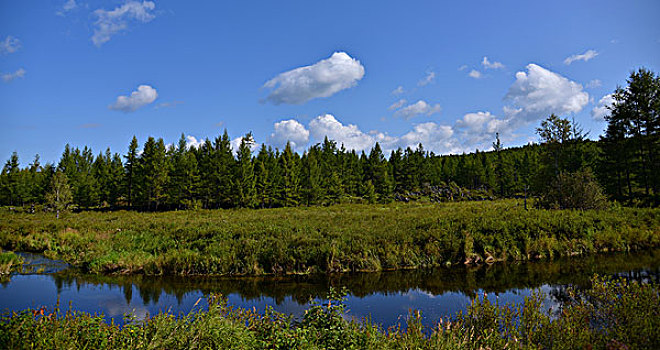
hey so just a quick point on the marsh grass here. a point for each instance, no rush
(338, 238)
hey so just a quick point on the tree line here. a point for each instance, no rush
(624, 162)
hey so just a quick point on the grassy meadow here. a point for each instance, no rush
(338, 238)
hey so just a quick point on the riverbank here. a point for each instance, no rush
(339, 238)
(610, 314)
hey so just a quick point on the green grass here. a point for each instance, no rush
(612, 314)
(324, 239)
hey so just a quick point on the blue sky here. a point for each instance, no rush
(446, 74)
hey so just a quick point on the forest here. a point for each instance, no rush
(564, 170)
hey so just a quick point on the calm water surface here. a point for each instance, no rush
(386, 297)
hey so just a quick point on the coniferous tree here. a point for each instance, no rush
(130, 170)
(311, 179)
(245, 180)
(289, 178)
(152, 174)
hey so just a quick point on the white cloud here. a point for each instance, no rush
(428, 79)
(432, 136)
(111, 22)
(7, 77)
(322, 79)
(289, 130)
(192, 142)
(398, 104)
(236, 143)
(417, 108)
(583, 57)
(478, 122)
(463, 67)
(601, 110)
(491, 65)
(539, 92)
(474, 74)
(594, 84)
(143, 96)
(9, 45)
(348, 135)
(479, 128)
(398, 91)
(69, 5)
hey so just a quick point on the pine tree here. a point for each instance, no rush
(245, 180)
(311, 179)
(130, 170)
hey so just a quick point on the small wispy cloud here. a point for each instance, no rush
(463, 67)
(582, 57)
(111, 22)
(168, 104)
(474, 74)
(9, 45)
(398, 104)
(491, 65)
(8, 77)
(428, 79)
(69, 5)
(398, 91)
(594, 84)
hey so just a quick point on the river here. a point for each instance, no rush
(385, 297)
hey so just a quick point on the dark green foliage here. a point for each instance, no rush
(631, 157)
(612, 314)
(626, 162)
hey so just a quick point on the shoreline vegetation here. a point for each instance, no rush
(611, 313)
(339, 238)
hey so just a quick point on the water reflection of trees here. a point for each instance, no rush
(467, 280)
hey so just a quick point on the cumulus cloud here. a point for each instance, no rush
(193, 142)
(418, 108)
(322, 79)
(474, 74)
(289, 131)
(539, 92)
(582, 57)
(478, 129)
(9, 45)
(428, 79)
(491, 65)
(398, 91)
(8, 77)
(348, 135)
(236, 143)
(431, 135)
(601, 110)
(143, 96)
(111, 22)
(398, 104)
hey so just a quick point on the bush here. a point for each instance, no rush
(578, 190)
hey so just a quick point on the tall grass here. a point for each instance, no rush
(324, 239)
